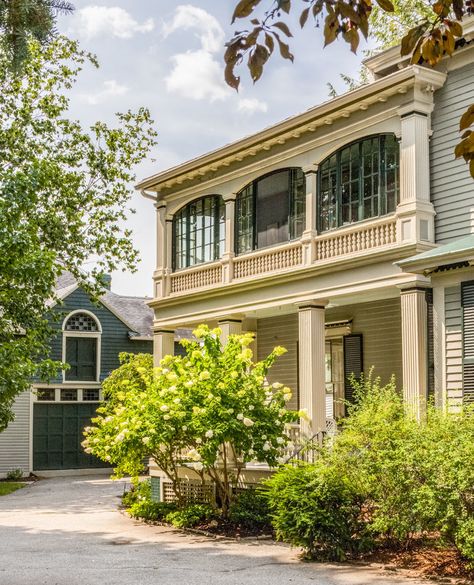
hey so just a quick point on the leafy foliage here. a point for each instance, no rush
(395, 478)
(145, 509)
(191, 515)
(250, 510)
(15, 474)
(63, 190)
(209, 410)
(429, 34)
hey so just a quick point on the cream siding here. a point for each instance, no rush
(281, 331)
(378, 321)
(452, 190)
(453, 346)
(15, 440)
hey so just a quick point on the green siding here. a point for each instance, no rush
(114, 338)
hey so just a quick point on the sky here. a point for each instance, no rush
(168, 56)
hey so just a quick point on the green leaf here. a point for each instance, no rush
(386, 5)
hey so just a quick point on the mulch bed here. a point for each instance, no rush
(231, 530)
(425, 559)
(30, 479)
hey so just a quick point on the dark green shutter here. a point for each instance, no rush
(467, 300)
(429, 313)
(353, 363)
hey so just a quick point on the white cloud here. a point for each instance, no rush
(110, 89)
(94, 21)
(197, 75)
(251, 106)
(206, 27)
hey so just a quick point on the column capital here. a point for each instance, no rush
(160, 205)
(229, 197)
(416, 284)
(316, 304)
(309, 169)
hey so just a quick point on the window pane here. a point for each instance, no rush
(328, 195)
(90, 394)
(81, 322)
(45, 394)
(297, 203)
(199, 232)
(245, 214)
(68, 394)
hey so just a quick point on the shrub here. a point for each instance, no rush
(15, 474)
(151, 511)
(191, 515)
(250, 510)
(140, 490)
(317, 507)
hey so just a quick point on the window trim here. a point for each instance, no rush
(220, 200)
(253, 194)
(337, 153)
(82, 334)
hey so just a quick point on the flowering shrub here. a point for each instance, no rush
(210, 410)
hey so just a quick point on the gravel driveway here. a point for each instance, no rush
(68, 531)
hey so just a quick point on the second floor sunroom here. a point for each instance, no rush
(358, 182)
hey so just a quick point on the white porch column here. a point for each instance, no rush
(414, 349)
(163, 344)
(312, 381)
(229, 249)
(230, 326)
(439, 332)
(415, 211)
(160, 275)
(310, 231)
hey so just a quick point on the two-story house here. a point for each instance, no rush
(344, 233)
(49, 420)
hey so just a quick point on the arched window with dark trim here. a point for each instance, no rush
(270, 210)
(199, 232)
(81, 347)
(358, 182)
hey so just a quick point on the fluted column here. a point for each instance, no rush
(414, 349)
(312, 381)
(163, 344)
(310, 231)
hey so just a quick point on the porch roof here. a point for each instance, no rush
(460, 250)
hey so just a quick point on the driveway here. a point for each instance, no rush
(68, 531)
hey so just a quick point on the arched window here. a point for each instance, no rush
(81, 347)
(199, 232)
(270, 211)
(359, 181)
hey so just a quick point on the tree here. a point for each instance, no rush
(63, 190)
(21, 20)
(431, 35)
(209, 410)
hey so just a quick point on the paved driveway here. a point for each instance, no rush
(69, 532)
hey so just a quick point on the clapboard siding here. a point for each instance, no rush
(379, 323)
(453, 316)
(283, 331)
(452, 189)
(14, 441)
(114, 338)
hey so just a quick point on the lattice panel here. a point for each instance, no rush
(193, 491)
(81, 322)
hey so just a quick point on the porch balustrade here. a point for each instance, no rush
(354, 240)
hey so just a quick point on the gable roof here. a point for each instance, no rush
(134, 312)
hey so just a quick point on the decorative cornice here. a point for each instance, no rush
(308, 122)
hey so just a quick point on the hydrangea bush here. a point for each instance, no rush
(210, 410)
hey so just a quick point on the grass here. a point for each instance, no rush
(9, 487)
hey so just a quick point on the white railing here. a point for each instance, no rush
(356, 239)
(269, 260)
(353, 240)
(195, 278)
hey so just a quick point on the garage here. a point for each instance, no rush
(57, 436)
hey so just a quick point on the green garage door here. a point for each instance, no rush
(57, 436)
